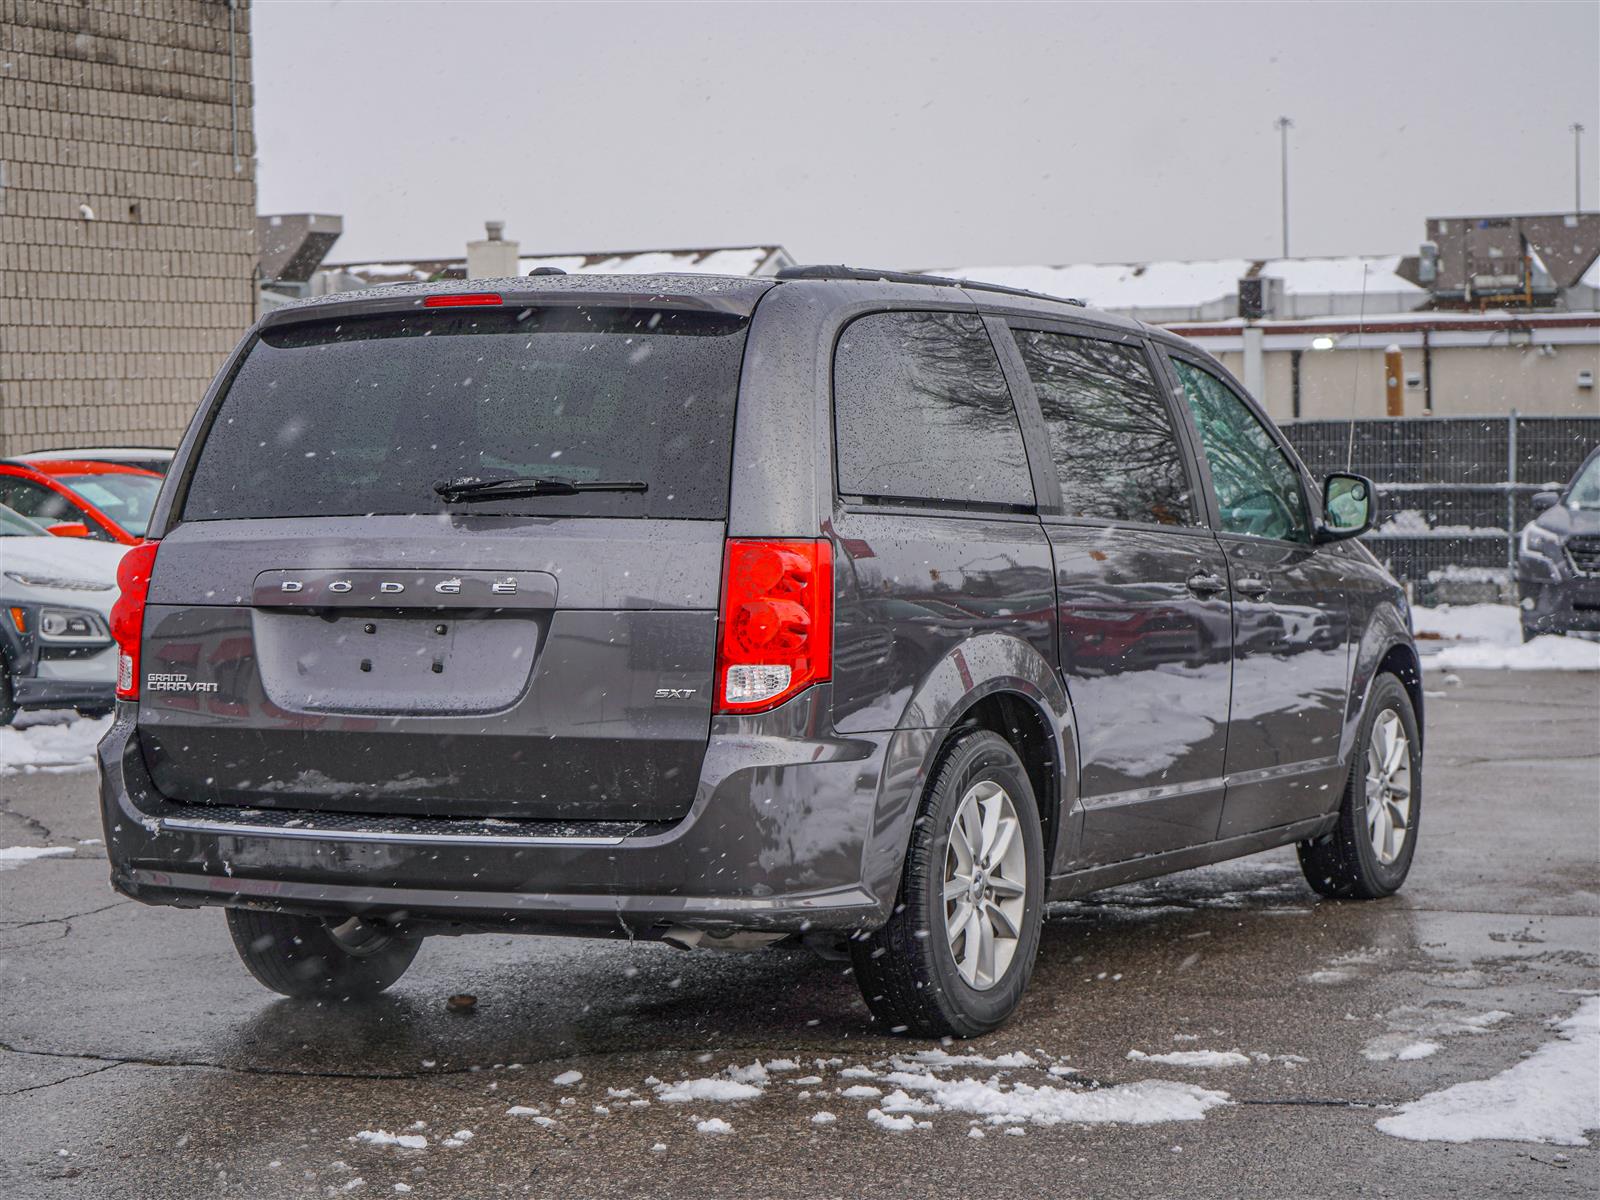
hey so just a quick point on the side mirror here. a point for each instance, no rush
(69, 529)
(1348, 509)
(1544, 501)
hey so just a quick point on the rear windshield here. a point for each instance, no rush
(365, 415)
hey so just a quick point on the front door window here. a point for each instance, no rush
(1257, 488)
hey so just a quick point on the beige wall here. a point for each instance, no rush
(1467, 381)
(111, 328)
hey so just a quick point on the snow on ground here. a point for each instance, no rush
(50, 741)
(1551, 1096)
(920, 1087)
(943, 1058)
(895, 1124)
(382, 1137)
(1147, 1102)
(1415, 1032)
(722, 1090)
(15, 856)
(1193, 1058)
(1490, 636)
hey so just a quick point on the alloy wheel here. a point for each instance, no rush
(1388, 786)
(985, 885)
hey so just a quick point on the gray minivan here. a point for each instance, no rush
(868, 610)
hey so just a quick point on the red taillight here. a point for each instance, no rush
(776, 626)
(127, 614)
(466, 300)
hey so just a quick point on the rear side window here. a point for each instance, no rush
(922, 412)
(364, 415)
(1111, 433)
(46, 505)
(126, 498)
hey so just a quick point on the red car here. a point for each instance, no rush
(106, 501)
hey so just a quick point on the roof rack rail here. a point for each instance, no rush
(872, 274)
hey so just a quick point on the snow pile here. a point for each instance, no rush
(896, 1124)
(1193, 1058)
(1406, 521)
(50, 745)
(721, 1090)
(1489, 636)
(15, 856)
(382, 1137)
(943, 1058)
(1148, 1102)
(1551, 1096)
(920, 1086)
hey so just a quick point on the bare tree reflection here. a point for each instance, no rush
(1110, 431)
(948, 430)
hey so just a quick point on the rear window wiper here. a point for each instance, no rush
(472, 488)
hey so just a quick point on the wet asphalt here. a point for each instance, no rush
(137, 1059)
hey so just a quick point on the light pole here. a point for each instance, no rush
(1284, 125)
(1577, 166)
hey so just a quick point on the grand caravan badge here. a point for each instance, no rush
(175, 681)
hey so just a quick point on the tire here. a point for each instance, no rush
(908, 970)
(1528, 634)
(301, 957)
(1347, 863)
(8, 704)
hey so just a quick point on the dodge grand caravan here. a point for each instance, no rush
(866, 610)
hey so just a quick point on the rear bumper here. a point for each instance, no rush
(793, 828)
(1558, 606)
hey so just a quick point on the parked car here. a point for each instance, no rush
(55, 620)
(520, 608)
(146, 458)
(1558, 557)
(109, 502)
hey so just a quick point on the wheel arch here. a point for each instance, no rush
(1386, 647)
(1402, 661)
(996, 682)
(1021, 722)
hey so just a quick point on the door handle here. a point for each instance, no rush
(1204, 585)
(1252, 589)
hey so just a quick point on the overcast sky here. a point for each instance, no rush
(919, 135)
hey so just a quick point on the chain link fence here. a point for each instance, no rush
(1453, 492)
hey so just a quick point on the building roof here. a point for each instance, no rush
(708, 260)
(1166, 292)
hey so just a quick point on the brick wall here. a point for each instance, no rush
(111, 327)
